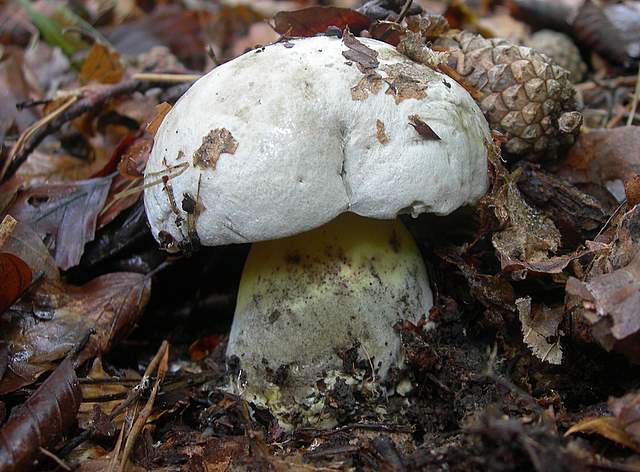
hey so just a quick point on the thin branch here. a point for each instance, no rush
(87, 99)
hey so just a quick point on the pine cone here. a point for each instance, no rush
(562, 50)
(526, 96)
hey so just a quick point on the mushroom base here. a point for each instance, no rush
(311, 306)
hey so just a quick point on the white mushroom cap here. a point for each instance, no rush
(285, 138)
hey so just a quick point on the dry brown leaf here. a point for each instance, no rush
(608, 295)
(313, 20)
(103, 386)
(41, 421)
(171, 25)
(161, 111)
(612, 297)
(603, 155)
(358, 52)
(102, 65)
(15, 277)
(607, 427)
(66, 211)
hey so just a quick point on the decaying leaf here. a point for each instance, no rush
(540, 331)
(405, 81)
(41, 420)
(370, 83)
(15, 277)
(608, 295)
(592, 28)
(313, 20)
(614, 296)
(527, 236)
(366, 59)
(161, 111)
(18, 85)
(68, 212)
(218, 141)
(52, 319)
(102, 65)
(413, 46)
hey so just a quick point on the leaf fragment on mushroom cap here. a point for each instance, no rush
(423, 129)
(360, 53)
(381, 135)
(217, 142)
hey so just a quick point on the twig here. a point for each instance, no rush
(33, 130)
(166, 78)
(387, 428)
(634, 105)
(162, 360)
(451, 72)
(87, 99)
(508, 384)
(404, 11)
(54, 458)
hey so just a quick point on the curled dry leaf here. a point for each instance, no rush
(607, 427)
(313, 20)
(50, 320)
(67, 211)
(41, 421)
(540, 331)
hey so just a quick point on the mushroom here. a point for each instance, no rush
(310, 149)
